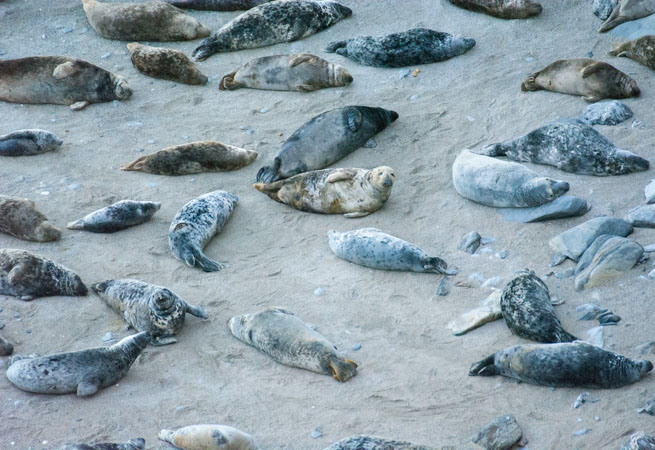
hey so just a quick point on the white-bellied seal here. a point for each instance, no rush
(272, 23)
(83, 371)
(639, 441)
(165, 63)
(351, 192)
(209, 437)
(217, 5)
(503, 184)
(147, 307)
(5, 347)
(407, 48)
(571, 146)
(370, 247)
(20, 218)
(503, 9)
(326, 139)
(641, 50)
(116, 217)
(195, 224)
(59, 80)
(302, 72)
(153, 20)
(626, 11)
(195, 157)
(28, 276)
(132, 444)
(593, 80)
(606, 258)
(567, 364)
(290, 341)
(28, 142)
(375, 443)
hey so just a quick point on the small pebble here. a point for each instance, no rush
(529, 59)
(66, 30)
(444, 287)
(108, 337)
(106, 55)
(180, 408)
(403, 73)
(264, 110)
(21, 177)
(316, 434)
(28, 331)
(357, 346)
(152, 184)
(581, 432)
(651, 275)
(589, 55)
(501, 254)
(73, 186)
(596, 418)
(470, 119)
(2, 325)
(371, 143)
(487, 240)
(45, 193)
(3, 51)
(134, 124)
(319, 292)
(414, 97)
(185, 137)
(151, 141)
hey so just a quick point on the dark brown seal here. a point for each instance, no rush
(165, 63)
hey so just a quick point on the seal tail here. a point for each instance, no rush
(342, 369)
(197, 311)
(434, 264)
(565, 336)
(76, 225)
(334, 46)
(136, 165)
(167, 436)
(195, 258)
(492, 150)
(530, 83)
(484, 368)
(227, 82)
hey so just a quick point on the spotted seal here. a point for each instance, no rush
(83, 371)
(165, 63)
(415, 46)
(375, 443)
(20, 218)
(641, 50)
(290, 341)
(28, 142)
(639, 441)
(195, 224)
(217, 5)
(626, 11)
(272, 23)
(132, 444)
(209, 437)
(5, 347)
(116, 217)
(503, 9)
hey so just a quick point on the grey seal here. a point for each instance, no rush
(165, 63)
(217, 5)
(28, 142)
(639, 441)
(573, 242)
(626, 11)
(641, 50)
(116, 217)
(611, 112)
(503, 9)
(375, 443)
(606, 258)
(209, 437)
(20, 218)
(132, 444)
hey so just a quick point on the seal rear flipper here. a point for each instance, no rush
(342, 369)
(565, 336)
(269, 189)
(198, 259)
(65, 70)
(613, 20)
(86, 388)
(76, 225)
(334, 46)
(484, 368)
(228, 83)
(269, 174)
(197, 311)
(162, 340)
(530, 83)
(136, 165)
(204, 50)
(491, 150)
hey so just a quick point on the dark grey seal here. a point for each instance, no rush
(503, 9)
(116, 217)
(408, 48)
(28, 142)
(217, 5)
(375, 443)
(132, 444)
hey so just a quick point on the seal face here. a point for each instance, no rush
(20, 218)
(290, 341)
(570, 364)
(195, 224)
(326, 139)
(28, 142)
(147, 307)
(415, 46)
(209, 437)
(375, 443)
(217, 5)
(132, 444)
(165, 63)
(83, 371)
(503, 9)
(626, 11)
(641, 50)
(116, 217)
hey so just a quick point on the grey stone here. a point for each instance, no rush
(642, 216)
(595, 336)
(371, 143)
(581, 432)
(500, 434)
(470, 242)
(444, 287)
(561, 207)
(649, 408)
(501, 254)
(610, 112)
(573, 242)
(615, 255)
(649, 192)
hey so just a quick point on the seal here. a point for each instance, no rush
(132, 444)
(593, 80)
(209, 437)
(195, 224)
(503, 184)
(290, 341)
(165, 63)
(408, 48)
(503, 9)
(639, 441)
(370, 247)
(606, 258)
(20, 218)
(153, 20)
(567, 364)
(301, 72)
(375, 443)
(217, 5)
(116, 217)
(571, 146)
(27, 276)
(59, 80)
(528, 312)
(147, 307)
(641, 50)
(272, 23)
(351, 192)
(28, 142)
(195, 157)
(626, 11)
(6, 348)
(326, 139)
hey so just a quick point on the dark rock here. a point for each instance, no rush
(500, 434)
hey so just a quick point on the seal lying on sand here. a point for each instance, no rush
(20, 218)
(641, 50)
(217, 5)
(626, 11)
(116, 217)
(132, 444)
(165, 63)
(28, 142)
(504, 9)
(209, 437)
(375, 443)
(606, 258)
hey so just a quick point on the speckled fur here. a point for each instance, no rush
(165, 63)
(209, 437)
(28, 142)
(116, 217)
(503, 9)
(132, 444)
(375, 443)
(20, 218)
(639, 441)
(626, 11)
(641, 50)
(217, 5)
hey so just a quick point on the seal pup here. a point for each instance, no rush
(641, 50)
(503, 184)
(326, 139)
(370, 247)
(503, 9)
(375, 443)
(567, 364)
(626, 11)
(27, 276)
(153, 20)
(20, 218)
(290, 341)
(593, 80)
(217, 5)
(28, 142)
(209, 437)
(116, 217)
(147, 307)
(6, 348)
(408, 48)
(272, 23)
(195, 157)
(132, 444)
(59, 80)
(301, 72)
(165, 63)
(195, 224)
(351, 192)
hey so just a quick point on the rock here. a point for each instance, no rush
(610, 112)
(316, 433)
(614, 256)
(319, 292)
(603, 8)
(403, 73)
(357, 346)
(595, 336)
(588, 255)
(583, 398)
(651, 275)
(647, 347)
(470, 242)
(649, 192)
(444, 287)
(491, 282)
(573, 242)
(501, 254)
(557, 259)
(561, 207)
(642, 216)
(414, 97)
(639, 441)
(500, 434)
(264, 110)
(106, 55)
(108, 337)
(581, 432)
(649, 408)
(487, 240)
(488, 311)
(608, 318)
(649, 248)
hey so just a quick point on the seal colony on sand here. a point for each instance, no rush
(503, 9)
(641, 50)
(116, 217)
(20, 218)
(375, 443)
(209, 437)
(132, 444)
(217, 5)
(28, 142)
(165, 63)
(626, 11)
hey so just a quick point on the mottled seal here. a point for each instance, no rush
(503, 9)
(165, 63)
(571, 146)
(20, 218)
(147, 307)
(612, 256)
(132, 444)
(610, 112)
(326, 139)
(290, 341)
(502, 184)
(626, 11)
(217, 5)
(370, 247)
(28, 142)
(116, 217)
(415, 46)
(272, 23)
(641, 50)
(567, 364)
(209, 437)
(351, 192)
(302, 72)
(639, 441)
(28, 276)
(83, 371)
(59, 80)
(375, 443)
(148, 21)
(195, 224)
(5, 347)
(593, 80)
(195, 157)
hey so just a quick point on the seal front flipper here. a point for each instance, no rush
(592, 69)
(196, 311)
(356, 215)
(269, 174)
(484, 368)
(332, 47)
(342, 369)
(86, 388)
(228, 84)
(435, 264)
(341, 175)
(301, 58)
(307, 88)
(355, 119)
(65, 70)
